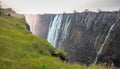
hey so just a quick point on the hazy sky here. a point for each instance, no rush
(58, 6)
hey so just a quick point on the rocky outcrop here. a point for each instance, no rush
(11, 12)
(59, 55)
(86, 37)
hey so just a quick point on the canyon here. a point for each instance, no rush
(86, 37)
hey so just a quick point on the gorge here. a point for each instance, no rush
(87, 37)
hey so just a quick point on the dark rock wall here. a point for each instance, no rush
(82, 34)
(39, 24)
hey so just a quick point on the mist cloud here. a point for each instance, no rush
(56, 6)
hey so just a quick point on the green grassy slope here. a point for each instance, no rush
(19, 49)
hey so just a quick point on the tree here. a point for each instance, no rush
(86, 10)
(74, 11)
(99, 10)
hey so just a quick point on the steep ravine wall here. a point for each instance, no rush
(39, 24)
(87, 37)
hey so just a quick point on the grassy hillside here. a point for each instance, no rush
(19, 49)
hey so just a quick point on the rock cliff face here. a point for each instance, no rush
(87, 37)
(39, 24)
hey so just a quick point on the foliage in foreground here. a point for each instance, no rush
(19, 49)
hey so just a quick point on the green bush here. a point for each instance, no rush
(62, 52)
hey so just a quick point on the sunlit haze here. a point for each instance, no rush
(59, 6)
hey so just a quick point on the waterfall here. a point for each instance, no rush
(54, 29)
(50, 23)
(101, 48)
(108, 34)
(64, 31)
(66, 27)
(96, 41)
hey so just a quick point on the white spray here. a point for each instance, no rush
(54, 30)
